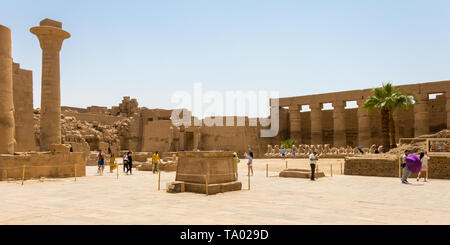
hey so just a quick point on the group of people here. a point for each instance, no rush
(127, 162)
(406, 171)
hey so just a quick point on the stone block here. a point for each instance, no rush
(300, 173)
(49, 22)
(176, 187)
(59, 148)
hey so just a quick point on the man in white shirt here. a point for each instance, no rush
(405, 172)
(312, 162)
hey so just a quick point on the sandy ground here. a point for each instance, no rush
(135, 200)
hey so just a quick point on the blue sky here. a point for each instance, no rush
(150, 49)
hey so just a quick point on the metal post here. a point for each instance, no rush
(267, 170)
(331, 166)
(249, 181)
(75, 171)
(159, 180)
(206, 185)
(23, 174)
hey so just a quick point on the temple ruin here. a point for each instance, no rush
(326, 123)
(343, 126)
(18, 144)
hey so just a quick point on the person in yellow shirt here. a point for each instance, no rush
(112, 163)
(155, 160)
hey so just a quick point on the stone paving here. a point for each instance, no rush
(135, 200)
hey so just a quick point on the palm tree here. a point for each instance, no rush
(387, 99)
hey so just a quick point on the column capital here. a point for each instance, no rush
(50, 34)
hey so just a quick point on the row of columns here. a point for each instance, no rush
(421, 121)
(338, 123)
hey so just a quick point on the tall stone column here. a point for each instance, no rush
(7, 128)
(51, 36)
(364, 135)
(295, 122)
(340, 138)
(316, 123)
(447, 108)
(421, 119)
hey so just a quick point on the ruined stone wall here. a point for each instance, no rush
(23, 109)
(439, 167)
(73, 109)
(388, 166)
(37, 165)
(94, 117)
(229, 138)
(156, 136)
(365, 166)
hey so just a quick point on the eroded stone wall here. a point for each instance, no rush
(388, 166)
(37, 165)
(23, 109)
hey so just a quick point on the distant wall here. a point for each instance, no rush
(156, 136)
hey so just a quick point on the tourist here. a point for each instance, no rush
(155, 160)
(360, 150)
(312, 162)
(130, 163)
(283, 152)
(112, 163)
(250, 162)
(236, 160)
(101, 162)
(424, 158)
(293, 152)
(125, 161)
(405, 172)
(249, 149)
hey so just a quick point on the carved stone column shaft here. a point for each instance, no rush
(7, 126)
(339, 124)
